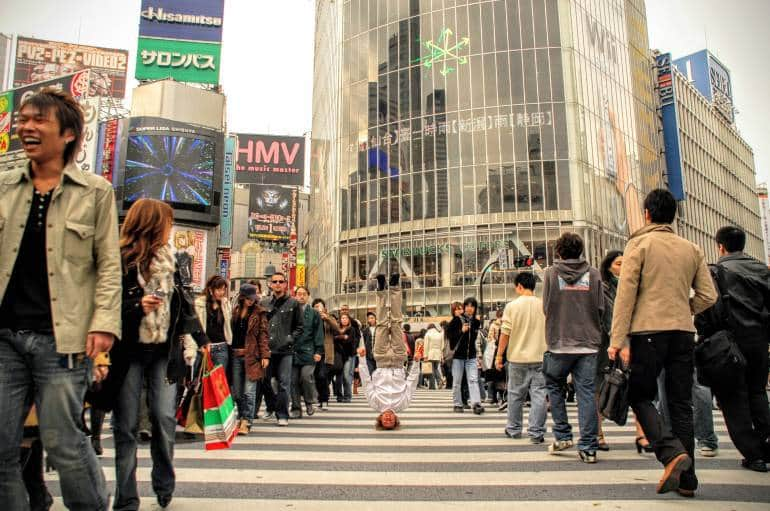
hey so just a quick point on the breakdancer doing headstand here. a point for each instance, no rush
(389, 389)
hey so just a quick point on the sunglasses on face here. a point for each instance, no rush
(277, 281)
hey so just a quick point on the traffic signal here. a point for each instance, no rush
(523, 262)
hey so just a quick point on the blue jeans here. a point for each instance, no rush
(220, 355)
(343, 381)
(31, 369)
(281, 383)
(521, 379)
(703, 416)
(244, 391)
(556, 367)
(471, 370)
(148, 362)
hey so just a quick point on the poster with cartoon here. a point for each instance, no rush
(190, 246)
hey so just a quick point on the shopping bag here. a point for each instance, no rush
(219, 416)
(427, 367)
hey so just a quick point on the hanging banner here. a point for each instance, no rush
(226, 211)
(109, 141)
(190, 244)
(272, 212)
(86, 157)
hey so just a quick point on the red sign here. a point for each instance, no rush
(108, 148)
(270, 160)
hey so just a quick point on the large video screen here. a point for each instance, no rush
(176, 169)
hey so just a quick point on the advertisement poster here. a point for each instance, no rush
(190, 244)
(86, 157)
(272, 212)
(184, 61)
(191, 20)
(270, 160)
(6, 113)
(38, 60)
(223, 262)
(76, 84)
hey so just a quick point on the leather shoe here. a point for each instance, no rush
(674, 468)
(686, 493)
(756, 465)
(164, 500)
(310, 409)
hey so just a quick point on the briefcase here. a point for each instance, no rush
(613, 399)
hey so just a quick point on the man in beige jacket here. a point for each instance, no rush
(60, 292)
(652, 328)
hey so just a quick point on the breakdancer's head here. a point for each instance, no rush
(387, 420)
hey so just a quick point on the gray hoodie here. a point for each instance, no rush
(573, 304)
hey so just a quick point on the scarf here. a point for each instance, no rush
(154, 326)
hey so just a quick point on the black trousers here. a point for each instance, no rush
(672, 351)
(743, 399)
(322, 381)
(265, 390)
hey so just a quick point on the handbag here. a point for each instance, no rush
(613, 401)
(717, 357)
(427, 367)
(219, 416)
(189, 413)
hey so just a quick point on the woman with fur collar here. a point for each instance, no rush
(156, 314)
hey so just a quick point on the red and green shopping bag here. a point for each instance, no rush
(219, 417)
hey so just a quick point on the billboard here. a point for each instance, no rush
(76, 84)
(226, 219)
(39, 60)
(177, 163)
(711, 78)
(272, 212)
(191, 20)
(190, 244)
(270, 160)
(184, 61)
(667, 100)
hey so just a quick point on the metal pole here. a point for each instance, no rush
(481, 288)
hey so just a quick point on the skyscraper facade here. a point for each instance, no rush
(446, 131)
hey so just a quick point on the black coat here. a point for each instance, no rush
(285, 323)
(463, 343)
(128, 349)
(369, 346)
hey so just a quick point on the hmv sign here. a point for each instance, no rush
(270, 160)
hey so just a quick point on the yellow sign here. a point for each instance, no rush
(301, 275)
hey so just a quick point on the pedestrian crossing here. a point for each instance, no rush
(439, 459)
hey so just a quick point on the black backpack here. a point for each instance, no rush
(717, 356)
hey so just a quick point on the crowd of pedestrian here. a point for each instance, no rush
(63, 308)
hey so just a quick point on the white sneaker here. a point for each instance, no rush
(708, 452)
(283, 422)
(559, 445)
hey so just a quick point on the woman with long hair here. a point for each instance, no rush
(156, 313)
(462, 332)
(345, 344)
(213, 309)
(324, 370)
(251, 353)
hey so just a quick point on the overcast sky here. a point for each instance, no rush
(267, 56)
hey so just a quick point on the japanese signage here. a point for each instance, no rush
(666, 94)
(76, 84)
(270, 160)
(191, 20)
(190, 244)
(38, 60)
(711, 78)
(223, 262)
(86, 157)
(109, 141)
(272, 212)
(226, 218)
(468, 125)
(445, 248)
(6, 113)
(184, 61)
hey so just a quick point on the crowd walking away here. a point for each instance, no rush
(107, 329)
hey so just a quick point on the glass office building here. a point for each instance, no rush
(447, 130)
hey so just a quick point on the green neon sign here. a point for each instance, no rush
(444, 53)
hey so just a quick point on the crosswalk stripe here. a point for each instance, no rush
(337, 461)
